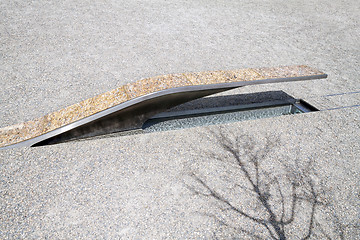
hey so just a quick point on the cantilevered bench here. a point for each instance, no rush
(129, 106)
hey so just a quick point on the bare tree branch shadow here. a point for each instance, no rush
(279, 196)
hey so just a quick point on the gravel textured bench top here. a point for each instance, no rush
(28, 130)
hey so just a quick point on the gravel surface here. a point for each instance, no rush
(54, 54)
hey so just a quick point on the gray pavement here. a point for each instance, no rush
(54, 54)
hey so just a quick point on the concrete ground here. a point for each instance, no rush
(54, 54)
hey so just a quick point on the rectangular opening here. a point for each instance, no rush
(220, 115)
(214, 110)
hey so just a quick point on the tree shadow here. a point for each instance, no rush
(284, 196)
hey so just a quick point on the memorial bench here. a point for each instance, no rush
(129, 106)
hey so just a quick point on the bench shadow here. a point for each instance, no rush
(197, 104)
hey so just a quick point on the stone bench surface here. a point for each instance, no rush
(28, 130)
